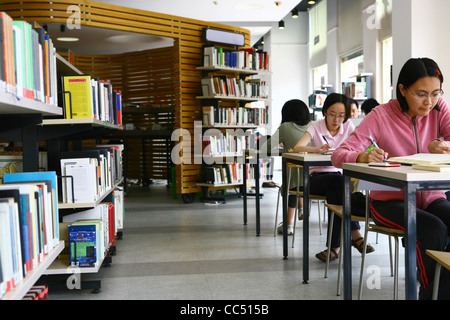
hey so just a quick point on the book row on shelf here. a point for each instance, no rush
(30, 220)
(91, 98)
(90, 233)
(244, 58)
(27, 61)
(28, 224)
(232, 87)
(28, 69)
(232, 173)
(89, 173)
(355, 90)
(214, 115)
(223, 144)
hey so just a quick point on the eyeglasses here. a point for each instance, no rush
(335, 116)
(425, 96)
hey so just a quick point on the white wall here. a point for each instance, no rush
(419, 31)
(291, 75)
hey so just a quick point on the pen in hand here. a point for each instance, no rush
(326, 141)
(376, 146)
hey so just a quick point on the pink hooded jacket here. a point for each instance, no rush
(397, 134)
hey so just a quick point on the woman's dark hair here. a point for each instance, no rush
(413, 70)
(295, 111)
(368, 105)
(333, 98)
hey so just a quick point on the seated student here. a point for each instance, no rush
(354, 108)
(295, 120)
(412, 123)
(329, 133)
(368, 105)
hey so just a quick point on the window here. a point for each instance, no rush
(351, 66)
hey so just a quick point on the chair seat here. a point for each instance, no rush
(339, 211)
(311, 196)
(386, 231)
(442, 257)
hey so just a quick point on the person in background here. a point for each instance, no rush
(418, 121)
(326, 134)
(368, 105)
(354, 107)
(295, 120)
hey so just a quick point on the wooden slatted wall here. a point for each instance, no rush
(145, 78)
(187, 48)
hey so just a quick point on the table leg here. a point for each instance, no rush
(285, 204)
(305, 223)
(244, 189)
(410, 255)
(258, 211)
(346, 245)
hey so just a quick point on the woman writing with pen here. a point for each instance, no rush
(413, 123)
(324, 135)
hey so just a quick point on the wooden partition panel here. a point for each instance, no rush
(187, 53)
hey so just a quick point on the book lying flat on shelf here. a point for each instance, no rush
(423, 158)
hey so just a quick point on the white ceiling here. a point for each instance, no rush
(256, 15)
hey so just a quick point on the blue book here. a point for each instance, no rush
(82, 245)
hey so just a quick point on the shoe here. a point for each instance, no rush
(290, 229)
(360, 246)
(269, 184)
(322, 256)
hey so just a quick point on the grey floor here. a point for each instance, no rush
(176, 251)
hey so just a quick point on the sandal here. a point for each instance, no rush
(360, 246)
(322, 256)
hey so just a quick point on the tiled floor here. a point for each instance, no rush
(171, 250)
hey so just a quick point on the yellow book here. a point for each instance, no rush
(80, 95)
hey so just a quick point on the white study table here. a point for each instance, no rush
(409, 180)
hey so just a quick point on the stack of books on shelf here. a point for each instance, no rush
(88, 174)
(37, 292)
(91, 98)
(235, 116)
(27, 61)
(236, 88)
(28, 224)
(244, 58)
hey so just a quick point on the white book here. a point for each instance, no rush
(83, 181)
(67, 182)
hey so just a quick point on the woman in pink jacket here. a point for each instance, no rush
(413, 123)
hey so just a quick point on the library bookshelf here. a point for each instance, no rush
(23, 120)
